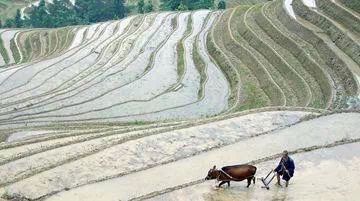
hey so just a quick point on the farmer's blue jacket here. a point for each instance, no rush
(289, 165)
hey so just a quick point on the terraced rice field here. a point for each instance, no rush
(141, 107)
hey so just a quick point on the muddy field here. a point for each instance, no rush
(326, 174)
(320, 135)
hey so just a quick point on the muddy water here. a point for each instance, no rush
(326, 174)
(324, 130)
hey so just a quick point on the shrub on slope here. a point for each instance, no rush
(3, 52)
(353, 4)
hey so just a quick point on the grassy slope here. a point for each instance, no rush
(15, 51)
(181, 51)
(8, 8)
(316, 75)
(234, 3)
(353, 4)
(3, 52)
(252, 93)
(300, 61)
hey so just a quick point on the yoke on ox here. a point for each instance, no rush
(232, 173)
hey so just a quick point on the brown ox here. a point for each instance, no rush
(232, 173)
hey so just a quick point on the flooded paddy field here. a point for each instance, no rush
(326, 174)
(184, 179)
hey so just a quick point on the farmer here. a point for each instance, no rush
(285, 168)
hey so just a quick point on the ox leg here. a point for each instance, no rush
(249, 182)
(228, 183)
(221, 183)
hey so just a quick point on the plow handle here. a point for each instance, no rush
(268, 174)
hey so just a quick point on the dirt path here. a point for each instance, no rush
(318, 132)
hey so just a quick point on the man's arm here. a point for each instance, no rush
(278, 168)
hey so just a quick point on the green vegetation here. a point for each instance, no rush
(253, 97)
(143, 7)
(174, 22)
(15, 51)
(52, 41)
(201, 67)
(3, 52)
(36, 44)
(27, 49)
(296, 54)
(18, 22)
(271, 80)
(340, 15)
(133, 6)
(181, 50)
(186, 4)
(62, 13)
(228, 70)
(8, 8)
(346, 43)
(40, 43)
(234, 3)
(273, 62)
(274, 39)
(353, 4)
(222, 4)
(298, 89)
(149, 7)
(140, 6)
(345, 85)
(257, 87)
(267, 59)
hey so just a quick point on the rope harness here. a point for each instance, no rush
(226, 174)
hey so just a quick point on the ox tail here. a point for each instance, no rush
(254, 175)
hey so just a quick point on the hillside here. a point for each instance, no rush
(8, 8)
(85, 109)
